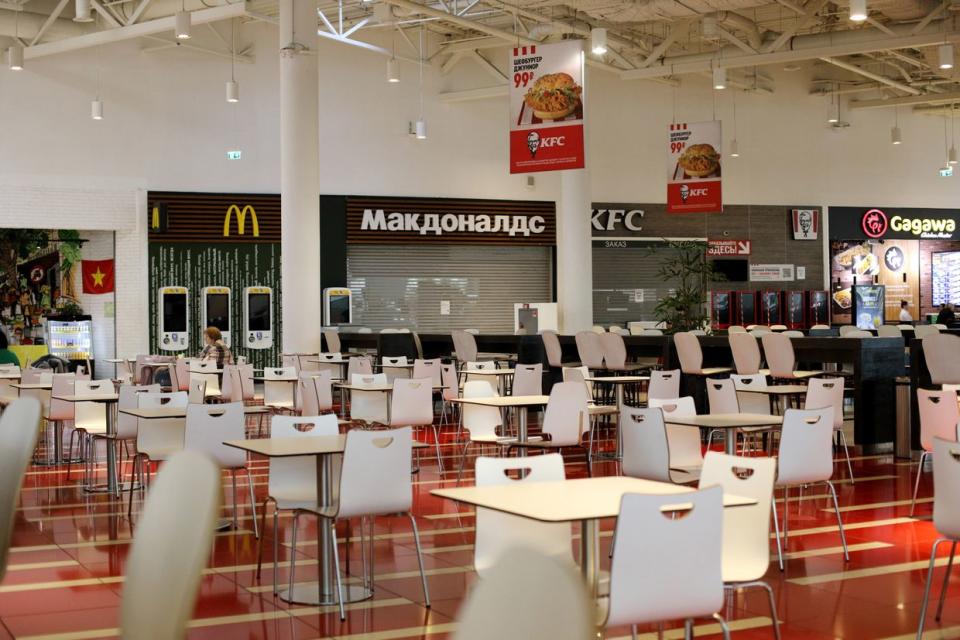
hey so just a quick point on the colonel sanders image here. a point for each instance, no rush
(805, 220)
(533, 143)
(684, 192)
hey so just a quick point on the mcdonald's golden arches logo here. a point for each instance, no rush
(241, 220)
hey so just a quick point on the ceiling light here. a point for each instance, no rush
(393, 70)
(421, 129)
(598, 40)
(945, 56)
(858, 10)
(96, 109)
(719, 78)
(182, 25)
(895, 137)
(81, 11)
(952, 155)
(833, 114)
(233, 91)
(734, 149)
(15, 57)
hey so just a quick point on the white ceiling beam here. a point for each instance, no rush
(10, 6)
(451, 62)
(906, 101)
(676, 30)
(364, 45)
(882, 27)
(326, 22)
(141, 7)
(498, 91)
(810, 11)
(49, 21)
(131, 32)
(797, 9)
(873, 76)
(920, 26)
(167, 45)
(488, 66)
(472, 44)
(348, 32)
(108, 16)
(734, 40)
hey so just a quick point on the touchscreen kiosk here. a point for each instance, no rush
(337, 306)
(172, 310)
(258, 317)
(215, 306)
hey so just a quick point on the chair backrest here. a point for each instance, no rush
(128, 399)
(479, 420)
(847, 328)
(368, 406)
(590, 349)
(751, 402)
(479, 365)
(939, 416)
(246, 381)
(722, 396)
(689, 352)
(746, 352)
(398, 360)
(428, 369)
(198, 390)
(746, 529)
(412, 402)
(91, 414)
(308, 398)
(62, 386)
(598, 329)
(359, 364)
(230, 390)
(735, 328)
(614, 350)
(820, 326)
(170, 549)
(651, 332)
(806, 446)
(36, 376)
(793, 333)
(778, 351)
(664, 384)
(567, 417)
(182, 374)
(500, 605)
(333, 340)
(942, 353)
(277, 391)
(579, 374)
(889, 331)
(922, 331)
(551, 345)
(288, 361)
(778, 327)
(450, 381)
(859, 333)
(646, 452)
(823, 393)
(209, 425)
(527, 380)
(498, 532)
(330, 362)
(390, 489)
(684, 441)
(298, 474)
(465, 345)
(667, 568)
(166, 434)
(18, 436)
(946, 487)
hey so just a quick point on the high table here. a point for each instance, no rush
(323, 448)
(782, 393)
(618, 383)
(729, 422)
(110, 413)
(522, 403)
(585, 500)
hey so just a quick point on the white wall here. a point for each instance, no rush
(101, 307)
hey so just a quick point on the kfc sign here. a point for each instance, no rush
(693, 198)
(806, 223)
(546, 149)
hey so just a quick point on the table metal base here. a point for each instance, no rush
(309, 593)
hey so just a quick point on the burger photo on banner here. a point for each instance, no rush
(693, 168)
(546, 107)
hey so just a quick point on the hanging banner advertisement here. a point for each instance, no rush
(546, 107)
(693, 168)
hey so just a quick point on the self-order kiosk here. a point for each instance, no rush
(173, 306)
(215, 308)
(258, 317)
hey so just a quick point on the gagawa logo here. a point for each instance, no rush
(875, 224)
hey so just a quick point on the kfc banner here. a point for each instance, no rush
(806, 223)
(546, 107)
(693, 179)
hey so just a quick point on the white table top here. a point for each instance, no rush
(778, 390)
(9, 376)
(89, 397)
(726, 420)
(381, 387)
(262, 379)
(150, 413)
(505, 401)
(617, 379)
(488, 372)
(569, 500)
(302, 446)
(322, 361)
(33, 386)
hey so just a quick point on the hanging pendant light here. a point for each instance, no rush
(598, 41)
(421, 129)
(393, 70)
(233, 87)
(858, 10)
(233, 91)
(96, 109)
(719, 78)
(81, 11)
(182, 24)
(15, 57)
(945, 56)
(895, 137)
(734, 149)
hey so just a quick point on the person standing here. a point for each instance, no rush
(946, 315)
(905, 312)
(215, 349)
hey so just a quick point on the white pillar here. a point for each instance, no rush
(574, 255)
(299, 177)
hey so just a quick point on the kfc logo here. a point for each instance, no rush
(874, 223)
(533, 143)
(684, 192)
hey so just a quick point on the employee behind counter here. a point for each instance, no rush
(946, 315)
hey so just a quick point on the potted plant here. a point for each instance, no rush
(686, 268)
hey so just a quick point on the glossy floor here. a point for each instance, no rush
(66, 567)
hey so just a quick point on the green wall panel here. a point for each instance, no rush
(223, 265)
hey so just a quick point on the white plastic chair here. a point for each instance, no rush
(565, 422)
(778, 351)
(197, 393)
(207, 428)
(845, 329)
(552, 348)
(332, 338)
(667, 568)
(480, 422)
(946, 516)
(293, 480)
(411, 405)
(941, 351)
(806, 457)
(889, 331)
(359, 364)
(368, 407)
(939, 418)
(157, 439)
(464, 345)
(664, 385)
(329, 362)
(721, 398)
(394, 368)
(525, 580)
(690, 355)
(198, 372)
(685, 452)
(277, 390)
(497, 532)
(314, 388)
(590, 349)
(362, 494)
(527, 380)
(61, 412)
(170, 549)
(90, 421)
(646, 450)
(19, 427)
(746, 529)
(746, 353)
(428, 369)
(828, 392)
(450, 391)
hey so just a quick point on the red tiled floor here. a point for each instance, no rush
(69, 546)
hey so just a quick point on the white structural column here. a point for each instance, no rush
(574, 255)
(299, 176)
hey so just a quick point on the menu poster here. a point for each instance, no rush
(693, 168)
(868, 302)
(893, 263)
(546, 107)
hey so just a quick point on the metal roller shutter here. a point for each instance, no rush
(403, 285)
(619, 272)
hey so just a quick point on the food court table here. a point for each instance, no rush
(781, 393)
(586, 500)
(165, 413)
(522, 403)
(323, 448)
(729, 422)
(110, 413)
(618, 382)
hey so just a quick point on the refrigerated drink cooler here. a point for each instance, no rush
(70, 338)
(747, 307)
(796, 309)
(722, 309)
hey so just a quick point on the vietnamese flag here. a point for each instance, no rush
(97, 276)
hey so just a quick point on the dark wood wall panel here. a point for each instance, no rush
(200, 217)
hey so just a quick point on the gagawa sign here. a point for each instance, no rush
(877, 223)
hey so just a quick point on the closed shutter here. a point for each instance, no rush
(622, 275)
(403, 285)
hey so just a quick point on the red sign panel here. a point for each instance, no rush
(698, 197)
(717, 248)
(550, 149)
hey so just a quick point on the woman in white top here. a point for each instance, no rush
(904, 314)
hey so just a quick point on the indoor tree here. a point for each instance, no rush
(685, 265)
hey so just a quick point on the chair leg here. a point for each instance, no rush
(946, 580)
(263, 527)
(423, 575)
(916, 484)
(776, 530)
(293, 552)
(723, 626)
(236, 507)
(436, 442)
(253, 504)
(276, 545)
(836, 508)
(846, 453)
(336, 568)
(926, 588)
(463, 460)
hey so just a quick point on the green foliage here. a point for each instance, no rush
(70, 248)
(22, 242)
(687, 267)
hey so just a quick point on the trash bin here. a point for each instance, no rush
(901, 445)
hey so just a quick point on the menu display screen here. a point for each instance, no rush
(868, 302)
(174, 312)
(218, 311)
(945, 267)
(258, 309)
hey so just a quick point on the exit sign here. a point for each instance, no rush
(234, 155)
